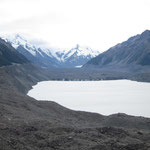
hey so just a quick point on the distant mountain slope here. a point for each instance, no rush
(8, 55)
(134, 51)
(76, 57)
(50, 57)
(36, 55)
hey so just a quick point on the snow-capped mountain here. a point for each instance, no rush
(35, 54)
(77, 56)
(50, 57)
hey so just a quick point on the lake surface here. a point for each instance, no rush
(104, 97)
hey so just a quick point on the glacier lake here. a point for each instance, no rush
(104, 97)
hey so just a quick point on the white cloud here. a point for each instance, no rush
(99, 24)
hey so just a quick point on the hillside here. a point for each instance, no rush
(8, 55)
(133, 53)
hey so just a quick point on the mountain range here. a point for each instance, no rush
(133, 53)
(50, 57)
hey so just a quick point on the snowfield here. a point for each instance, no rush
(104, 97)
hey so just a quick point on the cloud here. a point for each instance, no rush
(64, 23)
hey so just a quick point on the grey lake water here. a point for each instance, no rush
(104, 97)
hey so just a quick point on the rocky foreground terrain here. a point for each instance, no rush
(28, 124)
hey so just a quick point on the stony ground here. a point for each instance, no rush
(28, 124)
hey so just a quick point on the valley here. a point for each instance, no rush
(27, 123)
(74, 75)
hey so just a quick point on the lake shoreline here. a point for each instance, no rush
(66, 92)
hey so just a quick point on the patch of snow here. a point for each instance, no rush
(3, 38)
(81, 51)
(78, 66)
(15, 45)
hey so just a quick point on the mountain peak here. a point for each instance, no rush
(15, 36)
(146, 33)
(16, 40)
(18, 36)
(77, 46)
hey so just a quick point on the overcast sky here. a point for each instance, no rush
(98, 24)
